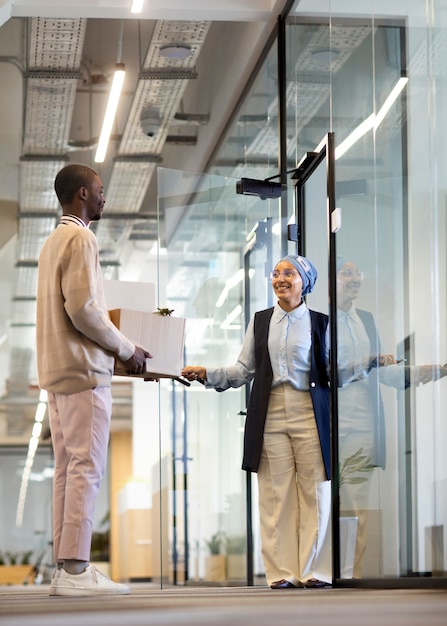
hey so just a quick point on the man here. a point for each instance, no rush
(76, 347)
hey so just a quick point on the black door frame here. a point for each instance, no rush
(304, 170)
(261, 238)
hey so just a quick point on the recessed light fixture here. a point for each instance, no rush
(325, 56)
(175, 51)
(136, 6)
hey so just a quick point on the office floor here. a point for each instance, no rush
(226, 606)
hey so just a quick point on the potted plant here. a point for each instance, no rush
(235, 547)
(16, 569)
(215, 562)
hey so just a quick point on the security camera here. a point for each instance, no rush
(150, 125)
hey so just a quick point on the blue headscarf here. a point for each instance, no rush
(306, 270)
(341, 260)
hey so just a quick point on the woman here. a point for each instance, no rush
(287, 430)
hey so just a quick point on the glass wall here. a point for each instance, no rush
(374, 76)
(368, 88)
(376, 81)
(202, 278)
(25, 521)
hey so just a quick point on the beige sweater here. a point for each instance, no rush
(76, 341)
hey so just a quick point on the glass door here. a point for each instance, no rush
(374, 441)
(201, 491)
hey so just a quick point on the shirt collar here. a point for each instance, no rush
(73, 219)
(279, 314)
(350, 313)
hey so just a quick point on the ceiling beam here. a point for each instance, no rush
(218, 10)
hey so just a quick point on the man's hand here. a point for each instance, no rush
(137, 363)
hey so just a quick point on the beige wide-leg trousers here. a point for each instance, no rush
(294, 495)
(80, 428)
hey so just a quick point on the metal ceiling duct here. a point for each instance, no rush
(160, 88)
(53, 70)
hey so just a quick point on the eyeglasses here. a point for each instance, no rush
(348, 273)
(286, 273)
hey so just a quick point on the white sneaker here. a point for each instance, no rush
(91, 582)
(54, 577)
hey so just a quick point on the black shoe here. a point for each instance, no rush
(314, 583)
(283, 584)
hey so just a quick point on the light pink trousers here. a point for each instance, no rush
(80, 428)
(294, 495)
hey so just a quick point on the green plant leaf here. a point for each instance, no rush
(357, 462)
(214, 543)
(165, 312)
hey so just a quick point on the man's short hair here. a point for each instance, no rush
(71, 178)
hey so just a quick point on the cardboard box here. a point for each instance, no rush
(125, 294)
(162, 335)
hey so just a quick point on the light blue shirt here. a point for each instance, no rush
(355, 354)
(289, 346)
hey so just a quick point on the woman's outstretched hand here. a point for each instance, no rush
(427, 373)
(194, 372)
(382, 360)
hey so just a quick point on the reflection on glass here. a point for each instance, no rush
(361, 414)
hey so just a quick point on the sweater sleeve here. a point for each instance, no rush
(241, 372)
(84, 303)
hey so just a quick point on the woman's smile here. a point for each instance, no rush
(287, 285)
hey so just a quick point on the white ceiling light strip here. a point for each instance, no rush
(109, 117)
(32, 447)
(371, 122)
(227, 324)
(232, 282)
(112, 105)
(136, 6)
